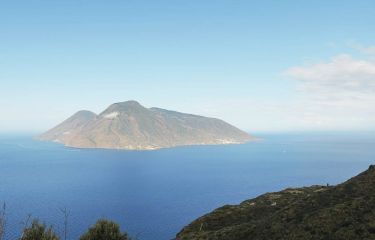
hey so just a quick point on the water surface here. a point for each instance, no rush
(153, 194)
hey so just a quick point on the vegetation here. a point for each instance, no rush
(346, 211)
(104, 230)
(39, 231)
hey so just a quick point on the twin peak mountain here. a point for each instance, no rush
(129, 125)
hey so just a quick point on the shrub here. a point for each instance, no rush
(38, 231)
(104, 230)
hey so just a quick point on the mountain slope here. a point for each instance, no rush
(129, 125)
(346, 211)
(65, 131)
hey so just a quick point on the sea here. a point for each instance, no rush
(154, 194)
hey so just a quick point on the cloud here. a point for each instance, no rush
(369, 50)
(340, 91)
(342, 77)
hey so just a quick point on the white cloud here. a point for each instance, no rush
(369, 50)
(342, 74)
(340, 92)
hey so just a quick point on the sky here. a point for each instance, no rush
(260, 65)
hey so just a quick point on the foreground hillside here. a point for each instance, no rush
(129, 125)
(345, 211)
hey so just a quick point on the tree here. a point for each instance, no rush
(104, 230)
(38, 231)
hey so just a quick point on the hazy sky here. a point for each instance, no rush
(260, 65)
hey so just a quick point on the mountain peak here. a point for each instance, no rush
(65, 129)
(129, 103)
(124, 106)
(84, 113)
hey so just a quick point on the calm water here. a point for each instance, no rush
(153, 194)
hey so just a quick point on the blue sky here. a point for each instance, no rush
(260, 65)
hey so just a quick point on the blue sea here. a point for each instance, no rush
(153, 194)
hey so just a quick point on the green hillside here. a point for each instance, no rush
(345, 211)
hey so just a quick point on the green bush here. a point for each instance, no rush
(104, 230)
(38, 231)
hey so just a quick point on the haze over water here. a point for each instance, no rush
(153, 194)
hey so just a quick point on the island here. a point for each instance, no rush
(129, 125)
